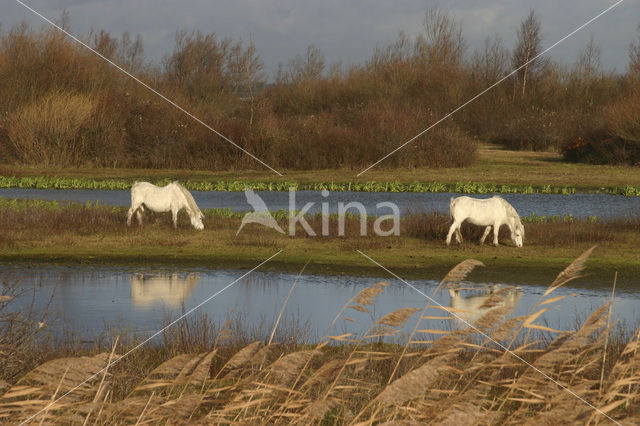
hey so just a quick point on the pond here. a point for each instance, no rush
(90, 300)
(578, 205)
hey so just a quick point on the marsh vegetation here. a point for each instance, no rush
(197, 372)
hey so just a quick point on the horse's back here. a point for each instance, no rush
(465, 202)
(157, 198)
(143, 187)
(479, 211)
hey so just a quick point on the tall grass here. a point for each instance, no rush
(440, 375)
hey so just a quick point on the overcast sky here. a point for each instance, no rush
(344, 31)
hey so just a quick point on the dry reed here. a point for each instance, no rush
(454, 378)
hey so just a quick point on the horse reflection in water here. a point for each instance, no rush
(469, 309)
(170, 289)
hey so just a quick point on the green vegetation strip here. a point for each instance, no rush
(44, 182)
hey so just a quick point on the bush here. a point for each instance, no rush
(615, 140)
(624, 117)
(600, 148)
(50, 130)
(535, 129)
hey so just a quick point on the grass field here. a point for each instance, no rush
(494, 166)
(51, 232)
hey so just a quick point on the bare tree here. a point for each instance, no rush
(385, 57)
(490, 63)
(588, 63)
(528, 46)
(131, 52)
(306, 68)
(253, 66)
(65, 20)
(634, 55)
(103, 43)
(441, 43)
(199, 63)
(125, 52)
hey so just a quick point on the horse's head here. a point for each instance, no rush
(196, 221)
(517, 233)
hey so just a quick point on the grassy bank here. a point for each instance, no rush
(200, 372)
(496, 170)
(43, 182)
(52, 232)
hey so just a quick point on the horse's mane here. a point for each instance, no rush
(511, 212)
(190, 201)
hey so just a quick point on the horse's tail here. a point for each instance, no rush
(190, 201)
(452, 202)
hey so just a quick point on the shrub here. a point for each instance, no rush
(624, 118)
(616, 140)
(600, 149)
(49, 131)
(534, 129)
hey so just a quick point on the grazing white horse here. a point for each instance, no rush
(472, 308)
(494, 211)
(168, 289)
(173, 197)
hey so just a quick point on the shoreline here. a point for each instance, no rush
(471, 187)
(428, 264)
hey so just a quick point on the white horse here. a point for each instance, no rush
(469, 309)
(168, 289)
(173, 197)
(488, 212)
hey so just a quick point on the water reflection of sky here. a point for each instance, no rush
(142, 299)
(578, 205)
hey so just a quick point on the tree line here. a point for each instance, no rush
(64, 106)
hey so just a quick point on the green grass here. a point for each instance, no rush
(43, 182)
(496, 170)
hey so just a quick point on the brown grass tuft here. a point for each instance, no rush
(460, 271)
(573, 270)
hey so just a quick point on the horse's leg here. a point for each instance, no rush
(134, 209)
(174, 214)
(455, 225)
(484, 236)
(458, 236)
(496, 231)
(139, 214)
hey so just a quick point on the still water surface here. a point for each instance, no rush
(89, 299)
(578, 205)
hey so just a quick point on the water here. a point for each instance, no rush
(88, 299)
(578, 205)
